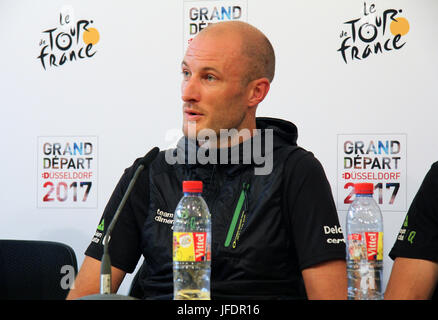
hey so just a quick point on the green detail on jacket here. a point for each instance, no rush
(237, 213)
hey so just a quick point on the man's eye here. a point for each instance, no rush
(211, 77)
(185, 73)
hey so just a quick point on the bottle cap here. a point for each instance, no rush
(363, 188)
(192, 186)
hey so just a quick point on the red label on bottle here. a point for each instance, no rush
(200, 241)
(374, 245)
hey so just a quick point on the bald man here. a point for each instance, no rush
(287, 242)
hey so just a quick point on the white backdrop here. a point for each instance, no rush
(127, 95)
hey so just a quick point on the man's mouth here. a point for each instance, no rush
(192, 115)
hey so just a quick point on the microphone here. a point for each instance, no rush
(105, 269)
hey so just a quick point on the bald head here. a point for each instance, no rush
(255, 48)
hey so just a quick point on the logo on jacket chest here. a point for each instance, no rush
(164, 217)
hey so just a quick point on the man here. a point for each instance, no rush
(290, 234)
(415, 271)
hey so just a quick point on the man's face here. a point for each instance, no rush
(212, 89)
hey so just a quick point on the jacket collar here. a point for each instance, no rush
(271, 134)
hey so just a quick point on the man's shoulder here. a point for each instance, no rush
(434, 169)
(298, 156)
(301, 165)
(158, 165)
(430, 181)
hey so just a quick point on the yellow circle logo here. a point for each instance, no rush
(399, 26)
(91, 36)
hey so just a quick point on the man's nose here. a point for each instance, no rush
(190, 90)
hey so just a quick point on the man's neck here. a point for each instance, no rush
(228, 138)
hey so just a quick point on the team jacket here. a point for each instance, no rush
(288, 220)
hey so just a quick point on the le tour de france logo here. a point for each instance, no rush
(375, 32)
(69, 41)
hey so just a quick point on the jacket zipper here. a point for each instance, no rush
(239, 211)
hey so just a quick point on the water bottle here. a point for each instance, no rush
(364, 230)
(191, 245)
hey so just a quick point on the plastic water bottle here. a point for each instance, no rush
(191, 245)
(364, 230)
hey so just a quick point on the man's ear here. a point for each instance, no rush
(258, 89)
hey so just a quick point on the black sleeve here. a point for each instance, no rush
(124, 245)
(316, 232)
(418, 236)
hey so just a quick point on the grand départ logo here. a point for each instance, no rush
(373, 33)
(71, 40)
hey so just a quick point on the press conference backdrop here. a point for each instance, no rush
(88, 86)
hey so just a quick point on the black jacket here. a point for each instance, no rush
(281, 234)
